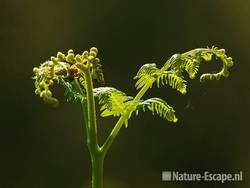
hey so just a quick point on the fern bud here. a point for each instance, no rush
(70, 57)
(93, 53)
(97, 60)
(54, 59)
(60, 56)
(78, 59)
(94, 49)
(85, 54)
(70, 51)
(35, 70)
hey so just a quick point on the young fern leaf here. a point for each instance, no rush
(114, 102)
(70, 91)
(191, 60)
(192, 67)
(158, 106)
(179, 62)
(148, 73)
(172, 71)
(145, 75)
(173, 80)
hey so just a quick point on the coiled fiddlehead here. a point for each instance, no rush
(64, 69)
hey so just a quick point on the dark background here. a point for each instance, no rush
(43, 147)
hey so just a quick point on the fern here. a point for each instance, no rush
(70, 91)
(173, 80)
(146, 75)
(172, 71)
(77, 72)
(114, 102)
(191, 67)
(158, 106)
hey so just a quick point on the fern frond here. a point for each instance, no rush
(71, 92)
(158, 106)
(173, 80)
(146, 74)
(113, 101)
(191, 60)
(191, 67)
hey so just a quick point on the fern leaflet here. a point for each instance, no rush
(173, 80)
(71, 92)
(146, 75)
(158, 106)
(113, 101)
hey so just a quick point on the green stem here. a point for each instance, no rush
(97, 157)
(97, 170)
(91, 124)
(83, 103)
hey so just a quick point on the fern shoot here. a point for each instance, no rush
(76, 72)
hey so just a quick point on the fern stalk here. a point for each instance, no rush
(97, 158)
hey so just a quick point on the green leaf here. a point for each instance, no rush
(114, 102)
(173, 80)
(159, 107)
(71, 92)
(192, 67)
(146, 74)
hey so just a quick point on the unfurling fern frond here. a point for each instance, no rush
(191, 67)
(191, 60)
(173, 80)
(146, 74)
(172, 71)
(71, 91)
(158, 106)
(113, 101)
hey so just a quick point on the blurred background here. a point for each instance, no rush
(43, 147)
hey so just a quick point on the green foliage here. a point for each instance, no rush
(172, 72)
(146, 74)
(158, 106)
(75, 73)
(173, 80)
(69, 69)
(114, 102)
(71, 92)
